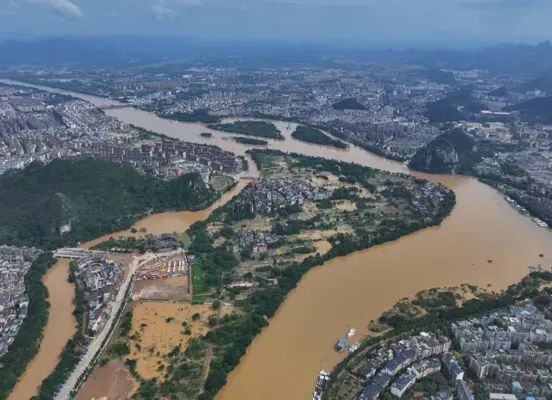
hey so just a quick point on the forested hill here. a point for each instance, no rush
(451, 152)
(94, 197)
(537, 110)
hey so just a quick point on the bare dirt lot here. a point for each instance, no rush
(162, 289)
(111, 382)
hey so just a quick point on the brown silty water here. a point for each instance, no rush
(284, 360)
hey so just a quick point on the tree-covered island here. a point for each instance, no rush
(252, 251)
(262, 129)
(316, 136)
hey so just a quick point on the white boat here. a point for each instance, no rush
(351, 332)
(321, 384)
(540, 222)
(354, 347)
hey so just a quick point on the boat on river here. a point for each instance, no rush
(341, 343)
(354, 347)
(321, 385)
(540, 222)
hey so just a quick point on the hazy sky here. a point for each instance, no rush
(369, 21)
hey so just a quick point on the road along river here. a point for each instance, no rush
(283, 361)
(61, 323)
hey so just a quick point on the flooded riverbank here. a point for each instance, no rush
(283, 362)
(61, 323)
(61, 326)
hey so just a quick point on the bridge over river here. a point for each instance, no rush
(74, 253)
(116, 106)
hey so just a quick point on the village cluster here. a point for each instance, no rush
(99, 277)
(271, 195)
(14, 264)
(507, 355)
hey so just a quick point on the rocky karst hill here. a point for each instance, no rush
(450, 152)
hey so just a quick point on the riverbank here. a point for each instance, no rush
(61, 323)
(60, 326)
(377, 195)
(105, 102)
(438, 309)
(27, 343)
(351, 290)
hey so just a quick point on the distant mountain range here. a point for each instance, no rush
(500, 58)
(96, 50)
(543, 83)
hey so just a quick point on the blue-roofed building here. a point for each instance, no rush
(444, 395)
(396, 364)
(410, 355)
(402, 384)
(382, 379)
(463, 392)
(375, 387)
(370, 392)
(455, 371)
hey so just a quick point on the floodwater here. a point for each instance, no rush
(61, 323)
(61, 326)
(484, 241)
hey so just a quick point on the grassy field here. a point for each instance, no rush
(221, 182)
(198, 283)
(184, 239)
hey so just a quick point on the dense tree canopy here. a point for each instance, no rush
(94, 197)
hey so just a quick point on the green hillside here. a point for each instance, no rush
(95, 197)
(535, 110)
(348, 104)
(458, 105)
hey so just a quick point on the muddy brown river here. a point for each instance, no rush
(284, 360)
(61, 323)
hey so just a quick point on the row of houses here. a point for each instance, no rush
(166, 153)
(99, 277)
(502, 330)
(270, 196)
(415, 354)
(14, 302)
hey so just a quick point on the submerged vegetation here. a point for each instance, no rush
(250, 141)
(219, 264)
(88, 198)
(196, 116)
(251, 128)
(313, 135)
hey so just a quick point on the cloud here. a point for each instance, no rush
(166, 9)
(63, 8)
(162, 11)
